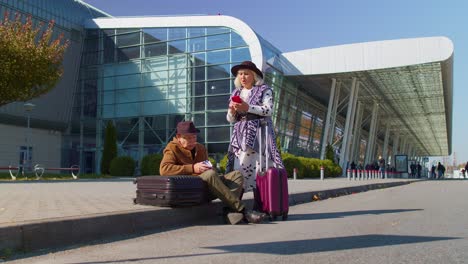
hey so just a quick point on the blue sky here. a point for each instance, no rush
(304, 24)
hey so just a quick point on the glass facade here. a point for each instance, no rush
(145, 80)
(148, 79)
(298, 118)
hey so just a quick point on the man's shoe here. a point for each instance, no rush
(234, 218)
(254, 216)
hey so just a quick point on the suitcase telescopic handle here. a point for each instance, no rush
(263, 123)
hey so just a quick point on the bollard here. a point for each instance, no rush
(386, 176)
(348, 173)
(295, 173)
(322, 173)
(354, 175)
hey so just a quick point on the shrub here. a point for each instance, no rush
(122, 166)
(150, 164)
(223, 164)
(110, 147)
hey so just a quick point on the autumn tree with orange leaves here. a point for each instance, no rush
(30, 60)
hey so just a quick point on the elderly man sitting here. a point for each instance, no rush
(185, 156)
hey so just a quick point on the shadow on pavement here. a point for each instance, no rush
(301, 246)
(299, 217)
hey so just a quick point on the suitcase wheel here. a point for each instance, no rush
(134, 201)
(285, 216)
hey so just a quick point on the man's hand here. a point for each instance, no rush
(200, 167)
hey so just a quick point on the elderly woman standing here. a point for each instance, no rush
(255, 105)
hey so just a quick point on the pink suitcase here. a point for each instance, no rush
(271, 196)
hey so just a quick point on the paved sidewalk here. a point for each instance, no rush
(46, 214)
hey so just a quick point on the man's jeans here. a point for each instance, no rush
(227, 188)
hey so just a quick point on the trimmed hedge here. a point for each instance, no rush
(306, 167)
(122, 166)
(150, 164)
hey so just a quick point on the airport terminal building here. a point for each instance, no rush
(145, 74)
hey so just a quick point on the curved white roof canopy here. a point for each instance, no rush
(411, 79)
(239, 26)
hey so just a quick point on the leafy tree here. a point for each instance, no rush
(31, 62)
(110, 147)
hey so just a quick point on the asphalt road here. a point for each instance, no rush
(424, 222)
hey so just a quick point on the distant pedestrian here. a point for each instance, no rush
(440, 170)
(466, 168)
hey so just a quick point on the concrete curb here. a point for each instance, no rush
(62, 232)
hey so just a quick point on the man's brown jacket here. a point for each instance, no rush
(179, 161)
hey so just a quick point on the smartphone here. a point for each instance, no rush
(208, 163)
(236, 99)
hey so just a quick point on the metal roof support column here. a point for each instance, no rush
(355, 146)
(336, 102)
(395, 143)
(348, 126)
(372, 132)
(403, 146)
(326, 133)
(385, 144)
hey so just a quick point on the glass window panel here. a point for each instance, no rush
(198, 88)
(198, 59)
(177, 106)
(216, 118)
(199, 73)
(152, 94)
(197, 44)
(218, 71)
(177, 62)
(177, 33)
(128, 39)
(242, 54)
(196, 32)
(155, 35)
(177, 91)
(127, 96)
(201, 136)
(109, 83)
(90, 58)
(126, 30)
(219, 87)
(217, 42)
(217, 102)
(155, 50)
(127, 81)
(108, 97)
(199, 104)
(218, 57)
(125, 54)
(108, 111)
(109, 50)
(218, 147)
(178, 46)
(237, 40)
(218, 133)
(155, 64)
(216, 30)
(155, 108)
(155, 78)
(108, 32)
(199, 120)
(89, 73)
(91, 45)
(127, 110)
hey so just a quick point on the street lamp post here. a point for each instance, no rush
(28, 107)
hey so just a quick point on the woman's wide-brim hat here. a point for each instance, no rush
(246, 65)
(186, 127)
